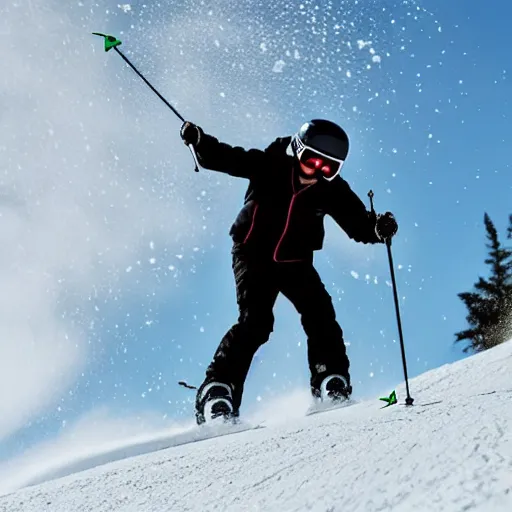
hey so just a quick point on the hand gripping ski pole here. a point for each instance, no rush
(408, 400)
(113, 42)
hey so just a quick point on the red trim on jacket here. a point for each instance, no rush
(252, 224)
(290, 208)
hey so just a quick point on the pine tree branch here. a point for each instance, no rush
(490, 305)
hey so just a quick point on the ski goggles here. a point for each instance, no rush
(316, 163)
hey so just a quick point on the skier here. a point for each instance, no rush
(293, 184)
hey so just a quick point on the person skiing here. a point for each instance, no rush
(293, 184)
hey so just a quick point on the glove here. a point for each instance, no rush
(190, 133)
(386, 226)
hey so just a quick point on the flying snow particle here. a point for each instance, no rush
(362, 44)
(125, 7)
(349, 74)
(377, 59)
(354, 274)
(279, 66)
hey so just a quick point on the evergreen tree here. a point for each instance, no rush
(490, 305)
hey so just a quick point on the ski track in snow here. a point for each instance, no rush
(451, 451)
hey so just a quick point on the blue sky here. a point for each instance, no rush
(422, 90)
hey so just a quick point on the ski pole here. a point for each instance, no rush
(409, 400)
(112, 42)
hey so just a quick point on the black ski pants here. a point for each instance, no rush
(259, 280)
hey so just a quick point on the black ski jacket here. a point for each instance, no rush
(282, 218)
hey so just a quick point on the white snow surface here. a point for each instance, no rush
(451, 451)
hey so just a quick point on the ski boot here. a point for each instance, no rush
(333, 392)
(335, 388)
(215, 401)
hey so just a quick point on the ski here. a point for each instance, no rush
(325, 407)
(199, 433)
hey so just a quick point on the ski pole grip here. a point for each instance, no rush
(370, 195)
(194, 156)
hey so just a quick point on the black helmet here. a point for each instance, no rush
(325, 138)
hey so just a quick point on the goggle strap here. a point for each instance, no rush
(301, 147)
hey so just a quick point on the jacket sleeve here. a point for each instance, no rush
(233, 160)
(350, 213)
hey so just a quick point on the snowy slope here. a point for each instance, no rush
(451, 451)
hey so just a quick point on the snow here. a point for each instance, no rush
(279, 66)
(451, 451)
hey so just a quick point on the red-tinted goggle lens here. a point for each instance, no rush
(315, 163)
